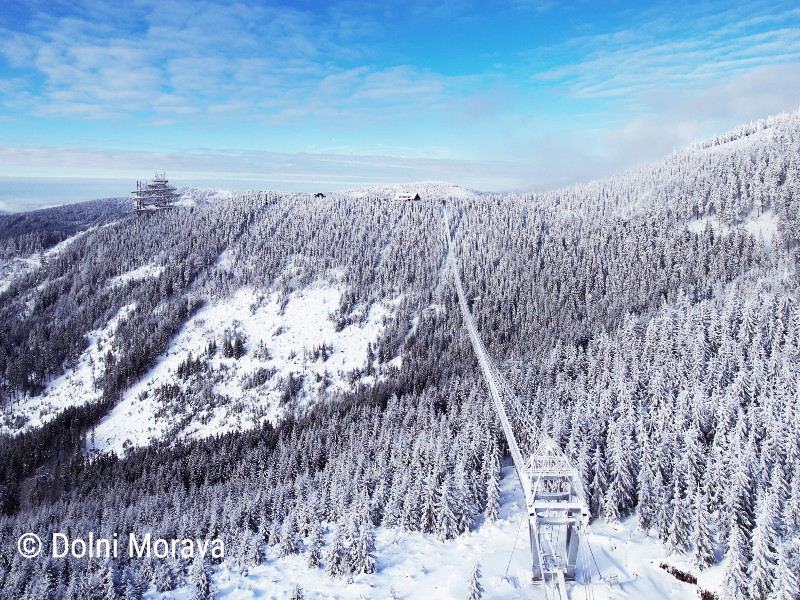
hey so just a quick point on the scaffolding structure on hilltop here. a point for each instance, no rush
(155, 194)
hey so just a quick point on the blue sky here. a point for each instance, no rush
(495, 94)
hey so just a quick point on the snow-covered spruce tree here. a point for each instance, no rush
(620, 494)
(466, 504)
(645, 508)
(362, 550)
(703, 541)
(200, 580)
(792, 509)
(315, 547)
(741, 499)
(134, 584)
(164, 576)
(679, 529)
(597, 488)
(787, 579)
(766, 539)
(474, 587)
(427, 519)
(248, 549)
(736, 579)
(336, 556)
(692, 455)
(41, 585)
(446, 522)
(297, 592)
(290, 542)
(663, 507)
(493, 493)
(109, 583)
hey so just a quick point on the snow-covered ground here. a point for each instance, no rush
(142, 272)
(288, 330)
(764, 225)
(426, 189)
(195, 197)
(73, 388)
(421, 566)
(14, 268)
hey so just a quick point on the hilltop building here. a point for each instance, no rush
(154, 194)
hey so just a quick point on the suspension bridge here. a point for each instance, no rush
(556, 506)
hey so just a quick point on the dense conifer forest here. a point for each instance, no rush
(649, 322)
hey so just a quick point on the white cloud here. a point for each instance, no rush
(298, 171)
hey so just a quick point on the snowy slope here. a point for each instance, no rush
(74, 387)
(14, 268)
(288, 329)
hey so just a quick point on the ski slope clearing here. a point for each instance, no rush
(282, 367)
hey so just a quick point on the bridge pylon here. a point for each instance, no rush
(557, 512)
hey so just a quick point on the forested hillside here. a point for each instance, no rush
(649, 321)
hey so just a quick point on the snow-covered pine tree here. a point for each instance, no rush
(663, 507)
(109, 591)
(466, 506)
(678, 540)
(740, 500)
(692, 455)
(703, 551)
(493, 491)
(164, 577)
(290, 542)
(297, 592)
(315, 547)
(446, 520)
(646, 509)
(134, 584)
(787, 579)
(474, 587)
(362, 548)
(202, 586)
(620, 495)
(427, 520)
(792, 509)
(599, 483)
(766, 539)
(336, 556)
(736, 579)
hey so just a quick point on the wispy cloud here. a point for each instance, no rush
(235, 61)
(582, 91)
(656, 52)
